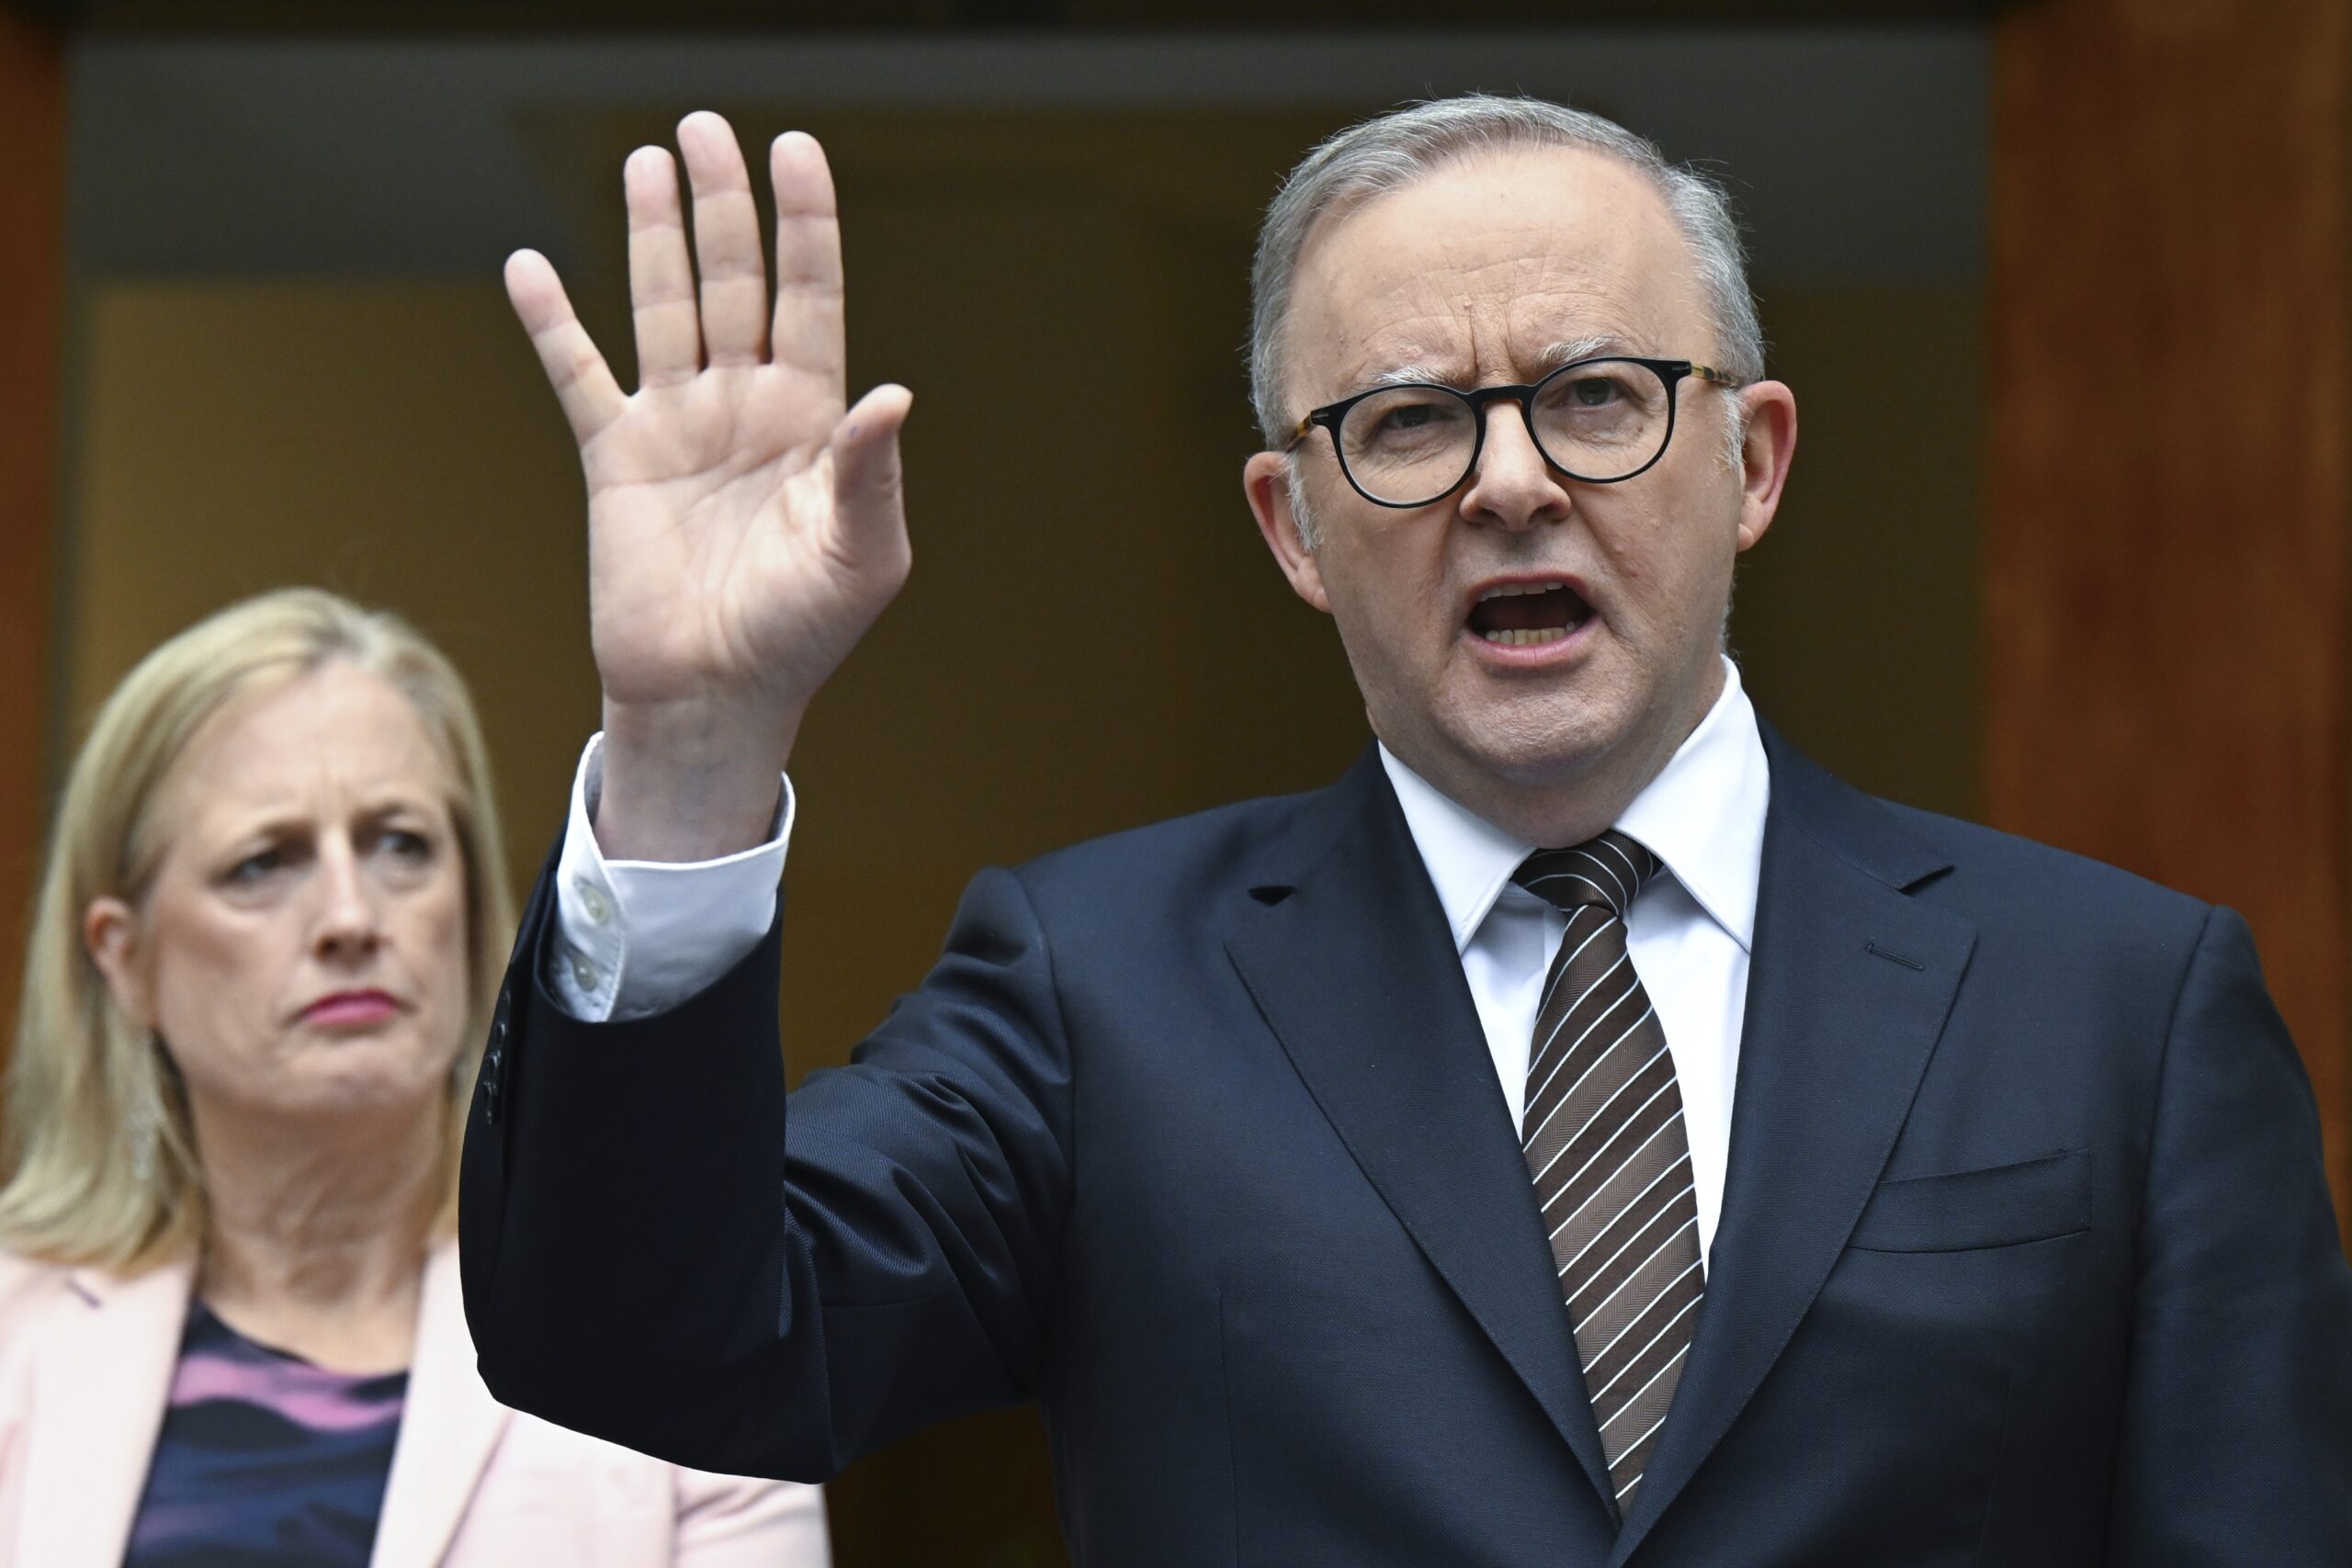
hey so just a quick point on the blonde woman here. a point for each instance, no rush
(269, 932)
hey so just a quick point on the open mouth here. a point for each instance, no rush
(1528, 614)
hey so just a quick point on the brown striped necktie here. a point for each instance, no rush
(1606, 1145)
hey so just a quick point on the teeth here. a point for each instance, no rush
(1529, 638)
(1512, 590)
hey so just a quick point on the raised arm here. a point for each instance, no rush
(649, 1256)
(744, 529)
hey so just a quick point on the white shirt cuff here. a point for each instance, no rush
(634, 937)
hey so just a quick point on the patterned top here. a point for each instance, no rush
(264, 1459)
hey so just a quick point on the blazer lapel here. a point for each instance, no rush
(449, 1428)
(102, 1381)
(1348, 957)
(1849, 984)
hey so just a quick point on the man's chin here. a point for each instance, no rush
(1551, 763)
(1475, 765)
(1550, 742)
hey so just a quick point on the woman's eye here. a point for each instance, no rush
(402, 844)
(256, 868)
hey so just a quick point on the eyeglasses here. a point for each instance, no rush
(1600, 421)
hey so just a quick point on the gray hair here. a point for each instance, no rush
(1394, 150)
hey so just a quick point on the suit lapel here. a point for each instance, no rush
(104, 1378)
(449, 1427)
(1850, 983)
(1347, 955)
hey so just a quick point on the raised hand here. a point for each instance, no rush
(744, 531)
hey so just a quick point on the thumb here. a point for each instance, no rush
(868, 493)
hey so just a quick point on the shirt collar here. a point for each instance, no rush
(1702, 816)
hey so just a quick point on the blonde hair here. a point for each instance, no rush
(97, 1161)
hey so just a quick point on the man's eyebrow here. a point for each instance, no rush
(1401, 375)
(1414, 374)
(1568, 353)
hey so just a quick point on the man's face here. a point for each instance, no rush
(1482, 273)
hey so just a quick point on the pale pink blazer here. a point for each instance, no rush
(85, 1368)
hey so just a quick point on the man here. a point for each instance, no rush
(1584, 1133)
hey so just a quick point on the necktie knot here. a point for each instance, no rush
(1603, 873)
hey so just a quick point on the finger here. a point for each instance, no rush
(661, 280)
(583, 383)
(727, 242)
(868, 490)
(808, 328)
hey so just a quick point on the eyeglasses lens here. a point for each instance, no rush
(1598, 421)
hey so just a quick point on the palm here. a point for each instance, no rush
(712, 536)
(743, 532)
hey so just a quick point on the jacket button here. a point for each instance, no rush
(494, 1062)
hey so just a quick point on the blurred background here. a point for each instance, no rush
(2060, 284)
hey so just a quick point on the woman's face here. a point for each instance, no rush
(302, 951)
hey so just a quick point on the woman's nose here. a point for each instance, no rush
(350, 921)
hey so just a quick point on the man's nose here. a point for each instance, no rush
(350, 916)
(1513, 486)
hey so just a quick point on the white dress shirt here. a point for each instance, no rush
(639, 937)
(1687, 933)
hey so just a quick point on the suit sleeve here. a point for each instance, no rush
(2237, 1438)
(660, 1251)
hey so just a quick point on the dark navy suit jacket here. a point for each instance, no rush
(1192, 1136)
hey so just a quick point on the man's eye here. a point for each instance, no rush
(1414, 415)
(1594, 391)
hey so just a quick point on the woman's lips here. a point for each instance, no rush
(347, 1009)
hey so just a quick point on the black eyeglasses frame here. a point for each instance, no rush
(1670, 371)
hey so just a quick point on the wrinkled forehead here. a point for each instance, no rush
(325, 739)
(1487, 269)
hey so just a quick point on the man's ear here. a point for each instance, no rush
(1266, 480)
(1765, 452)
(110, 936)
